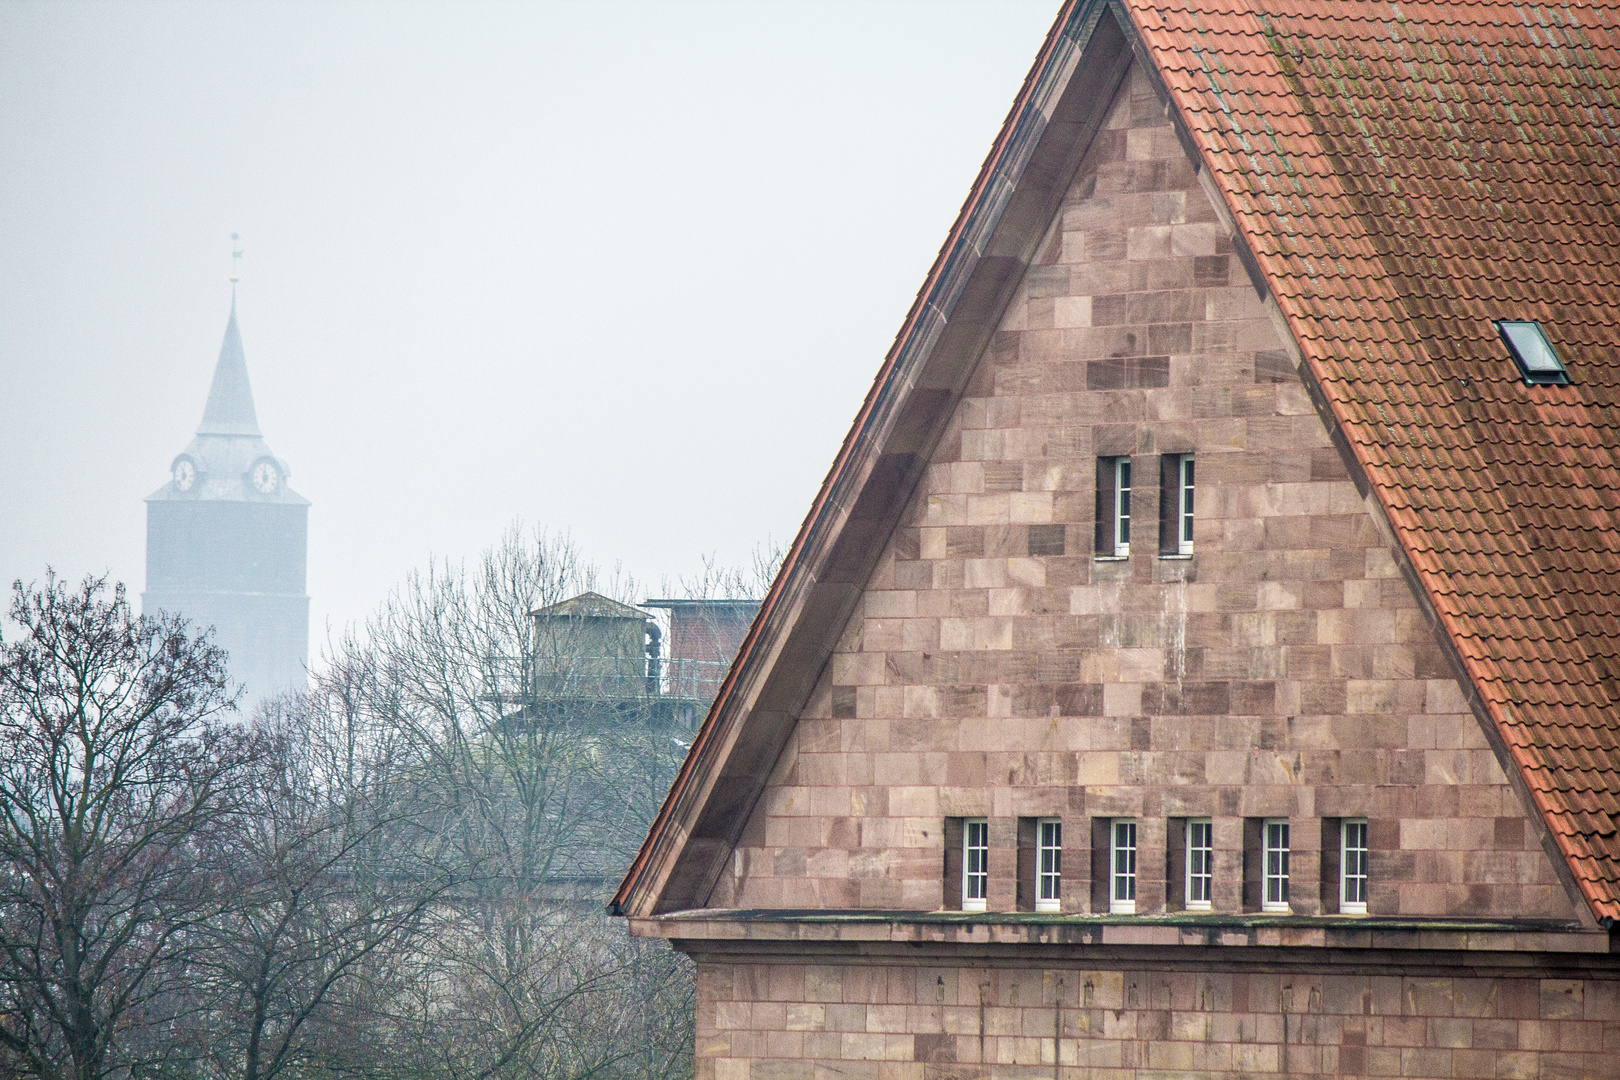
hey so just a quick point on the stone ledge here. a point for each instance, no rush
(1182, 929)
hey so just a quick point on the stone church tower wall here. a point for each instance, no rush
(227, 539)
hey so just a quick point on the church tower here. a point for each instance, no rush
(226, 538)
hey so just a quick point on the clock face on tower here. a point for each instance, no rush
(266, 477)
(184, 473)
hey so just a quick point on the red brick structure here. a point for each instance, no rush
(704, 636)
(1301, 758)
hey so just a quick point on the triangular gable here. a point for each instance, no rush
(1050, 126)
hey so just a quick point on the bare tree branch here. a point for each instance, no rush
(114, 772)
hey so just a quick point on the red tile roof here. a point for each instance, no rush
(1404, 174)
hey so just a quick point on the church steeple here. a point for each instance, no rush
(226, 538)
(230, 400)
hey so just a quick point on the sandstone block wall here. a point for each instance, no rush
(820, 1022)
(997, 667)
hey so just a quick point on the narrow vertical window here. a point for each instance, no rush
(1122, 899)
(1353, 868)
(1184, 505)
(975, 864)
(1200, 865)
(1175, 505)
(1049, 895)
(1122, 506)
(1113, 507)
(1276, 866)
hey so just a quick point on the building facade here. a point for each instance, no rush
(227, 539)
(1198, 661)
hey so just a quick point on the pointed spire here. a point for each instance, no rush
(230, 400)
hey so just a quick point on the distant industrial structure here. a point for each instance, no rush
(595, 658)
(614, 675)
(226, 539)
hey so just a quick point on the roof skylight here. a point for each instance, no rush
(1535, 355)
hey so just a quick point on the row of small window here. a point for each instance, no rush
(1041, 858)
(1175, 505)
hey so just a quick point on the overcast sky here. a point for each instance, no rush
(622, 270)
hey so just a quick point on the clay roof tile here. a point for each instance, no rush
(1406, 174)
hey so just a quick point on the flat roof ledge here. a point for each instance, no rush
(1179, 929)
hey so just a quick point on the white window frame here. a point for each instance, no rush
(1274, 837)
(1122, 507)
(1353, 866)
(1122, 866)
(1049, 864)
(1184, 505)
(975, 864)
(1200, 865)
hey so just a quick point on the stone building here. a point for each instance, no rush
(226, 538)
(1202, 657)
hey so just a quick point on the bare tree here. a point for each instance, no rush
(329, 876)
(114, 772)
(716, 581)
(520, 974)
(401, 873)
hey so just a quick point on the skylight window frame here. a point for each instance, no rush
(1538, 374)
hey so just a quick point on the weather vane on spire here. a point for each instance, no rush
(236, 258)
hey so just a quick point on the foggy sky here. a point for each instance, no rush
(621, 270)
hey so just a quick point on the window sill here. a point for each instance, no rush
(1275, 909)
(1127, 907)
(1112, 558)
(1200, 906)
(1050, 907)
(974, 905)
(1177, 555)
(1352, 909)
